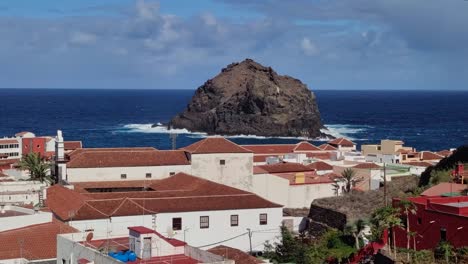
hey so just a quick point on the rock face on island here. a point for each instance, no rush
(247, 98)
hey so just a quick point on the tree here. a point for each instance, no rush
(357, 231)
(350, 179)
(438, 176)
(290, 250)
(444, 250)
(383, 218)
(408, 207)
(38, 168)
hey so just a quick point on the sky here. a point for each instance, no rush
(179, 44)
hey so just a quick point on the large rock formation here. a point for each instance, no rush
(250, 99)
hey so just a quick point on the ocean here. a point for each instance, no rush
(426, 120)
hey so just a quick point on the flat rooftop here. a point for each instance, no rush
(8, 213)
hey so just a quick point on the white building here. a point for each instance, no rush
(191, 209)
(115, 164)
(10, 148)
(293, 184)
(140, 245)
(22, 192)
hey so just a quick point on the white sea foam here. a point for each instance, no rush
(343, 130)
(148, 128)
(334, 130)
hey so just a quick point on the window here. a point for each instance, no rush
(204, 221)
(443, 234)
(263, 219)
(123, 176)
(419, 220)
(148, 175)
(177, 223)
(171, 173)
(64, 261)
(222, 162)
(234, 220)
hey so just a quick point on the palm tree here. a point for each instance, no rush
(350, 179)
(357, 231)
(386, 218)
(38, 168)
(408, 207)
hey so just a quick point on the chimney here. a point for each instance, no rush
(60, 162)
(299, 178)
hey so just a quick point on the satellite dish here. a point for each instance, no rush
(170, 233)
(89, 237)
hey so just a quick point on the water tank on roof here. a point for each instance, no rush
(272, 160)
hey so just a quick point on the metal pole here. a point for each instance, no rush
(385, 184)
(250, 240)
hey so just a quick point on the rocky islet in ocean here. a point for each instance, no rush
(248, 98)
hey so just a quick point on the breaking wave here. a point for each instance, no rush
(343, 130)
(334, 130)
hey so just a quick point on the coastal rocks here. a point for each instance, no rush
(247, 98)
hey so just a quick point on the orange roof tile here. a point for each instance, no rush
(8, 141)
(278, 149)
(310, 177)
(82, 158)
(33, 242)
(72, 145)
(320, 166)
(341, 142)
(444, 187)
(327, 147)
(178, 193)
(237, 255)
(305, 146)
(367, 165)
(427, 155)
(215, 145)
(281, 167)
(444, 153)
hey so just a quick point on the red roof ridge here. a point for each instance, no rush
(306, 146)
(340, 141)
(231, 147)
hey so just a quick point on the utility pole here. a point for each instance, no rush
(385, 184)
(173, 137)
(250, 240)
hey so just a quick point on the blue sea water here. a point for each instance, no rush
(429, 120)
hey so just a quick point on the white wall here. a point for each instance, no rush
(237, 171)
(219, 227)
(113, 173)
(21, 192)
(278, 190)
(30, 218)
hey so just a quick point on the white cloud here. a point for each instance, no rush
(147, 10)
(308, 47)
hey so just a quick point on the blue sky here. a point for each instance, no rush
(179, 44)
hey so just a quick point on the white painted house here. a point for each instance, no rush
(293, 184)
(191, 209)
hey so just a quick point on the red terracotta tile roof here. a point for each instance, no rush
(444, 153)
(212, 145)
(418, 163)
(237, 255)
(320, 166)
(327, 147)
(72, 145)
(367, 165)
(278, 149)
(261, 158)
(305, 146)
(83, 158)
(179, 193)
(82, 186)
(427, 155)
(444, 187)
(38, 241)
(341, 142)
(8, 141)
(322, 156)
(281, 167)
